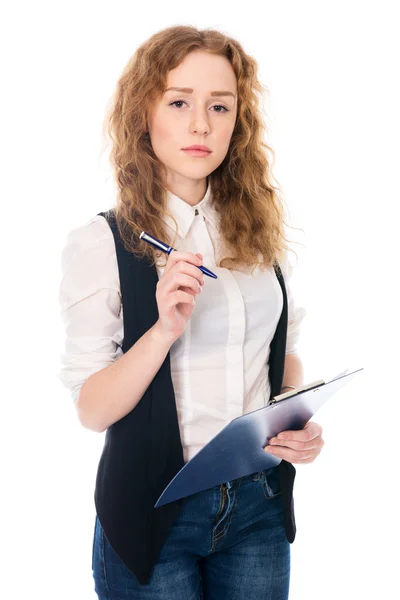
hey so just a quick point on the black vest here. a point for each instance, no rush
(142, 451)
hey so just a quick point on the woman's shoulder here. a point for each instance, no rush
(89, 246)
(90, 233)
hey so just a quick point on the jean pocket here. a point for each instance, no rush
(270, 483)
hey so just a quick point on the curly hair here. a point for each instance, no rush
(250, 206)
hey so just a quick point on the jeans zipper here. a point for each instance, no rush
(225, 486)
(223, 499)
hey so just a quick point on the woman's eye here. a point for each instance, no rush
(215, 106)
(176, 102)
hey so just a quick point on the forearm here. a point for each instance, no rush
(294, 371)
(113, 392)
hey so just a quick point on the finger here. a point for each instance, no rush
(293, 436)
(293, 456)
(310, 431)
(176, 256)
(289, 454)
(189, 290)
(186, 268)
(315, 443)
(180, 297)
(314, 429)
(176, 280)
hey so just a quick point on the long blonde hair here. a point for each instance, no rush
(250, 206)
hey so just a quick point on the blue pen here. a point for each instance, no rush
(146, 237)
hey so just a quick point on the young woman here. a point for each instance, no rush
(161, 357)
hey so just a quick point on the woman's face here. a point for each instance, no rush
(194, 116)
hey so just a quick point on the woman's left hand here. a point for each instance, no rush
(299, 447)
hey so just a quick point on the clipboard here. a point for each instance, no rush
(238, 450)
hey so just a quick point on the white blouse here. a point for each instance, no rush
(219, 365)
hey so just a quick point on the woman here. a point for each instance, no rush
(161, 367)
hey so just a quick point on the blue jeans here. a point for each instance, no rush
(227, 543)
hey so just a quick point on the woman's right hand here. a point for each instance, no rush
(176, 293)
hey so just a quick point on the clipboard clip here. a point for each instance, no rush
(274, 400)
(304, 388)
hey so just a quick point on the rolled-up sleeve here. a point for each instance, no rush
(296, 313)
(90, 302)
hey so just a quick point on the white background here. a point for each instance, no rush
(333, 119)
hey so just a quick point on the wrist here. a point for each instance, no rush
(158, 335)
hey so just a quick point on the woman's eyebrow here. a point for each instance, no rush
(190, 90)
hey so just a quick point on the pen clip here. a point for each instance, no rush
(150, 239)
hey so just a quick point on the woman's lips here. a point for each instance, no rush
(198, 153)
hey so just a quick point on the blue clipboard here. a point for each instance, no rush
(238, 450)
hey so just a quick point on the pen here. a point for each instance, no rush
(146, 237)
